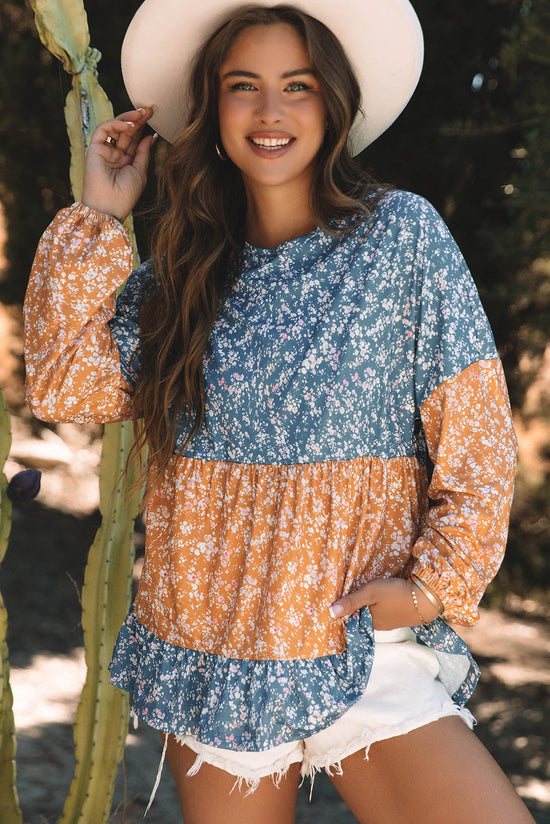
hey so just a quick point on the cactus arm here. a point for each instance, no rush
(10, 812)
(63, 29)
(102, 717)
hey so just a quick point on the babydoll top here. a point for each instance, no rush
(336, 363)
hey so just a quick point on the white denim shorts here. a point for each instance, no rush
(402, 694)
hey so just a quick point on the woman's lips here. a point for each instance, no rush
(270, 146)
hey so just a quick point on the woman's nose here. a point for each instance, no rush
(269, 108)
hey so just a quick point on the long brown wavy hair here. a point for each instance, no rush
(198, 240)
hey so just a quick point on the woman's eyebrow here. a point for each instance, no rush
(293, 73)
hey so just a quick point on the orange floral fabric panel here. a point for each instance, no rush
(244, 560)
(471, 440)
(72, 361)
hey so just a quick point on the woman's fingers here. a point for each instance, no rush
(115, 135)
(143, 151)
(122, 132)
(349, 604)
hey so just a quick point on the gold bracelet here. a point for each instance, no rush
(415, 602)
(429, 594)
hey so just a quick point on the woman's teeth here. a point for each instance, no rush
(270, 142)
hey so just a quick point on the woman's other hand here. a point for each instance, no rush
(390, 602)
(115, 172)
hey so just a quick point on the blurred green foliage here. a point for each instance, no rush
(475, 140)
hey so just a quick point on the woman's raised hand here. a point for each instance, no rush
(390, 602)
(115, 172)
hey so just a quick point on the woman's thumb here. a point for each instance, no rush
(141, 159)
(348, 604)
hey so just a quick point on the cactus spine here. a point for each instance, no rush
(102, 717)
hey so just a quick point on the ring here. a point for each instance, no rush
(110, 141)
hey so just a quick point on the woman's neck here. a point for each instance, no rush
(276, 215)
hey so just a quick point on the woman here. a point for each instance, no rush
(299, 340)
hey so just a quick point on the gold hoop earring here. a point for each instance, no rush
(220, 153)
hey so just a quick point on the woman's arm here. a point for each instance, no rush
(72, 360)
(461, 398)
(471, 440)
(468, 426)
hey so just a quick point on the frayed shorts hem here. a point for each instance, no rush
(402, 695)
(277, 765)
(312, 766)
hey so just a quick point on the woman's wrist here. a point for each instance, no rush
(90, 204)
(426, 605)
(430, 595)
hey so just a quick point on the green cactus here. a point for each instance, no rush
(10, 812)
(102, 717)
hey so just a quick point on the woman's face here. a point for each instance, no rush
(271, 110)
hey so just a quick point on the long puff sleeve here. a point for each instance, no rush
(72, 358)
(467, 424)
(471, 440)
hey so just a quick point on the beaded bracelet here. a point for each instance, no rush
(428, 593)
(415, 602)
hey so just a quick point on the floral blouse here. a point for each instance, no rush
(335, 366)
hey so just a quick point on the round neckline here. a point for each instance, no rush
(267, 251)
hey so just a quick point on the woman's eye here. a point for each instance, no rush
(298, 86)
(243, 87)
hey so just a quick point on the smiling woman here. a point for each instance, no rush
(271, 108)
(301, 339)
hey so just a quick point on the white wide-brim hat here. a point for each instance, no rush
(382, 39)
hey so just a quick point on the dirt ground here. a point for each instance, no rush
(40, 580)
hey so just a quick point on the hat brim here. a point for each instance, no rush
(382, 39)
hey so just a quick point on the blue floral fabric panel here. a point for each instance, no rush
(255, 705)
(125, 326)
(240, 704)
(326, 347)
(458, 671)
